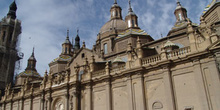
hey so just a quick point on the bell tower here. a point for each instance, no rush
(10, 29)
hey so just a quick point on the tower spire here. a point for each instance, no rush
(12, 10)
(77, 41)
(115, 2)
(77, 31)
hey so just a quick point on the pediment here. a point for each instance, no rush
(215, 45)
(82, 54)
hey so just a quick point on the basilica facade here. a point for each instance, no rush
(127, 69)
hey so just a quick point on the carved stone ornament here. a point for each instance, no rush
(59, 78)
(157, 105)
(59, 106)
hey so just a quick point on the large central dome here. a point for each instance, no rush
(113, 24)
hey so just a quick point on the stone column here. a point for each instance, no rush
(108, 95)
(169, 92)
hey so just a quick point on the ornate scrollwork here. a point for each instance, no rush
(59, 78)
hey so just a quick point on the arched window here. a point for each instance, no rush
(116, 13)
(105, 48)
(129, 23)
(132, 21)
(113, 13)
(66, 50)
(10, 37)
(3, 36)
(180, 16)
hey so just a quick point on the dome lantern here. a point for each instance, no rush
(131, 19)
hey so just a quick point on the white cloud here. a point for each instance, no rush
(44, 26)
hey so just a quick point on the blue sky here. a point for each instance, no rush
(44, 22)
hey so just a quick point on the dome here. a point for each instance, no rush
(117, 24)
(29, 73)
(67, 41)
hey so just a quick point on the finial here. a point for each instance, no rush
(33, 52)
(84, 44)
(68, 32)
(129, 3)
(130, 9)
(77, 30)
(178, 2)
(115, 2)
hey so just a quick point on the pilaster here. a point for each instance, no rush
(42, 104)
(89, 97)
(130, 98)
(215, 94)
(49, 103)
(75, 98)
(108, 95)
(67, 102)
(21, 101)
(199, 80)
(169, 92)
(138, 94)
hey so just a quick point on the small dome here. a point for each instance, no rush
(131, 13)
(115, 5)
(77, 38)
(116, 24)
(169, 44)
(117, 60)
(67, 41)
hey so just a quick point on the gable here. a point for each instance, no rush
(215, 45)
(81, 55)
